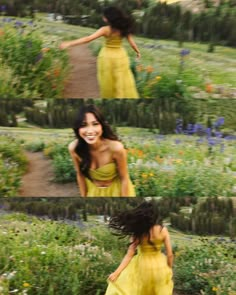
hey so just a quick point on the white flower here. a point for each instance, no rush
(43, 253)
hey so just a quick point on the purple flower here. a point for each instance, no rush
(179, 126)
(208, 132)
(38, 57)
(184, 52)
(218, 134)
(3, 8)
(18, 24)
(219, 122)
(211, 141)
(7, 20)
(177, 141)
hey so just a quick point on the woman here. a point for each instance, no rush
(99, 157)
(114, 75)
(150, 271)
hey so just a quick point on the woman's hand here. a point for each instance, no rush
(113, 276)
(138, 55)
(65, 45)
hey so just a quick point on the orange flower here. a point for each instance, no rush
(180, 152)
(149, 69)
(209, 88)
(45, 49)
(140, 153)
(2, 32)
(56, 72)
(139, 68)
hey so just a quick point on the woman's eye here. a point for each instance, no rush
(96, 123)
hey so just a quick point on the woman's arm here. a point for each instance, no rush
(120, 156)
(126, 260)
(101, 32)
(169, 253)
(79, 176)
(133, 45)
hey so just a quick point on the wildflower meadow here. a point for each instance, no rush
(40, 255)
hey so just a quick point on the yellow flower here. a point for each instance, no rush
(214, 289)
(26, 285)
(151, 174)
(158, 78)
(144, 175)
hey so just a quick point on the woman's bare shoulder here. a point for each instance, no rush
(106, 30)
(72, 146)
(116, 146)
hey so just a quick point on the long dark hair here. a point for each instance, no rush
(82, 148)
(119, 20)
(136, 222)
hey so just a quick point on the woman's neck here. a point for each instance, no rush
(96, 146)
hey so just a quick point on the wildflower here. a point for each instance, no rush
(139, 68)
(18, 24)
(151, 174)
(38, 57)
(215, 289)
(209, 88)
(3, 8)
(184, 52)
(56, 72)
(144, 175)
(149, 69)
(158, 78)
(43, 253)
(45, 49)
(26, 285)
(1, 32)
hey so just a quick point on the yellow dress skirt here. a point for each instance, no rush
(103, 173)
(147, 274)
(114, 75)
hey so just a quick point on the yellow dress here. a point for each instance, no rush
(147, 273)
(115, 78)
(106, 172)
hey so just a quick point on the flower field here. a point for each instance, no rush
(171, 165)
(12, 166)
(41, 256)
(33, 66)
(31, 63)
(159, 165)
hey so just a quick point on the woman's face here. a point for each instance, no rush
(91, 129)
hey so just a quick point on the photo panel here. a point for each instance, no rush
(77, 50)
(68, 246)
(172, 150)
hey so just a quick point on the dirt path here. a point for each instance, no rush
(82, 80)
(38, 181)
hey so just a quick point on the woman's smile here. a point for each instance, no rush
(91, 129)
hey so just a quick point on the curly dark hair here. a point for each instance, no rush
(82, 148)
(136, 222)
(119, 20)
